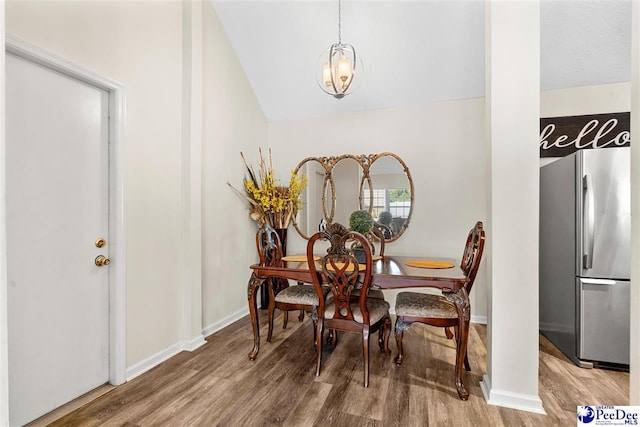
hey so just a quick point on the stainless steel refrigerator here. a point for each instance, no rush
(585, 243)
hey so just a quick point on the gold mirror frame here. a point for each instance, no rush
(365, 162)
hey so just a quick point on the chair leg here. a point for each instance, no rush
(301, 316)
(270, 310)
(387, 333)
(319, 331)
(383, 336)
(399, 332)
(461, 353)
(315, 335)
(286, 320)
(332, 338)
(448, 333)
(365, 352)
(467, 367)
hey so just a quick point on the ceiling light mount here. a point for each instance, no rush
(339, 69)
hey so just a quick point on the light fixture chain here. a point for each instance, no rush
(339, 22)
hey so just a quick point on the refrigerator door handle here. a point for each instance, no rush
(597, 281)
(589, 212)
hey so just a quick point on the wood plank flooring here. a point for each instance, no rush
(217, 385)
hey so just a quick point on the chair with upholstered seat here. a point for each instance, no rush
(439, 310)
(282, 296)
(340, 311)
(374, 234)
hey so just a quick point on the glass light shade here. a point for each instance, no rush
(339, 70)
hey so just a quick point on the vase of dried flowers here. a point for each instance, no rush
(270, 202)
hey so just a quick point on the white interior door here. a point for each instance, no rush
(57, 137)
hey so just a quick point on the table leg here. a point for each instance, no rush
(252, 291)
(461, 300)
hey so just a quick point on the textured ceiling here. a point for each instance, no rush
(414, 52)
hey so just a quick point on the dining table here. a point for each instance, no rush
(389, 272)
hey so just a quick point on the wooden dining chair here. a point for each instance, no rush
(282, 296)
(437, 310)
(384, 229)
(375, 237)
(340, 270)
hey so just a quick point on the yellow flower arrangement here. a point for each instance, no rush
(269, 202)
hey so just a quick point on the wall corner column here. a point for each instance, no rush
(191, 263)
(4, 330)
(513, 112)
(634, 360)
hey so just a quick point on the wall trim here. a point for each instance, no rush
(233, 317)
(521, 402)
(154, 360)
(194, 343)
(117, 268)
(482, 320)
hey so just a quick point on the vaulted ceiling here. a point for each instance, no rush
(413, 52)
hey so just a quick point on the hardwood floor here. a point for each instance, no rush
(217, 385)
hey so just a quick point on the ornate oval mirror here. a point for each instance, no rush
(346, 175)
(317, 198)
(392, 194)
(338, 185)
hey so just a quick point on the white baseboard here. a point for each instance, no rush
(153, 360)
(161, 356)
(194, 343)
(482, 320)
(190, 345)
(507, 399)
(215, 327)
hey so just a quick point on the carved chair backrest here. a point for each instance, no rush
(384, 229)
(472, 254)
(269, 247)
(378, 232)
(340, 270)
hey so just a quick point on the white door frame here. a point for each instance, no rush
(117, 267)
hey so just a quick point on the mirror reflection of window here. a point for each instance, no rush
(399, 202)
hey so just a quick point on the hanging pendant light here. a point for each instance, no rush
(337, 72)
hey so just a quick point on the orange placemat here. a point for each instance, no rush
(298, 258)
(428, 263)
(349, 268)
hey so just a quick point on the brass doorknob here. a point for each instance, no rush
(102, 260)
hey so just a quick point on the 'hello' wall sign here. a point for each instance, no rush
(560, 136)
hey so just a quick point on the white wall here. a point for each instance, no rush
(233, 122)
(584, 100)
(576, 101)
(443, 146)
